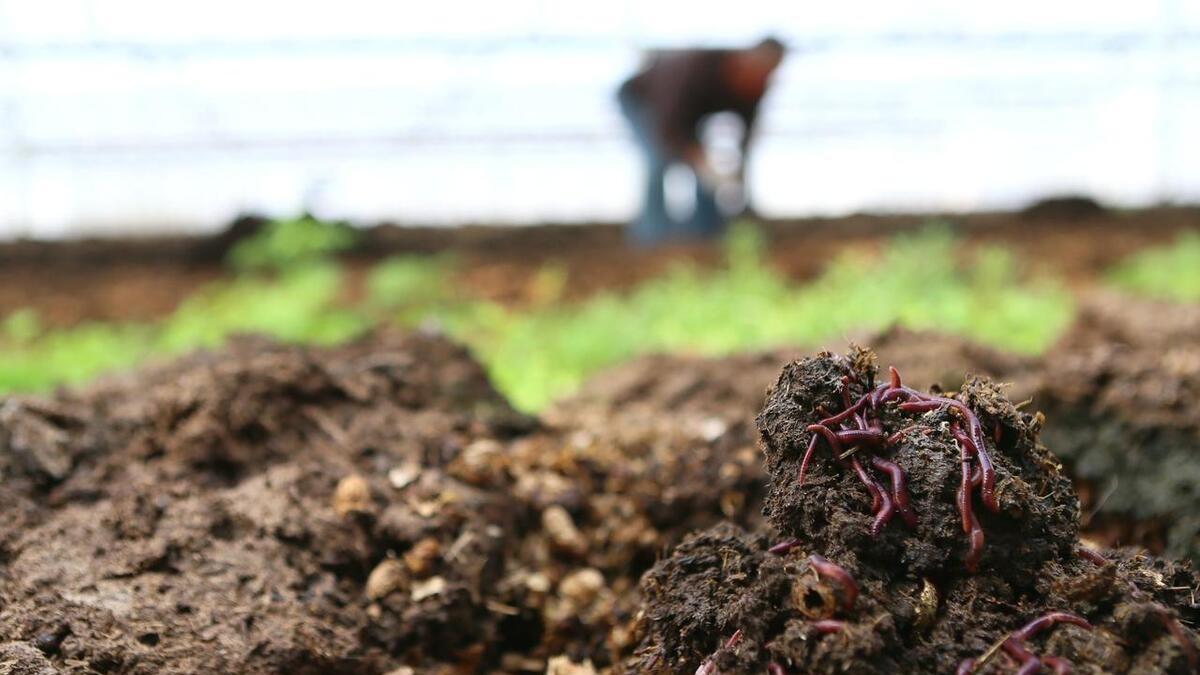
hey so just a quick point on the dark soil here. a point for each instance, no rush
(723, 603)
(357, 509)
(1123, 391)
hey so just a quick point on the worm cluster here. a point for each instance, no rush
(858, 427)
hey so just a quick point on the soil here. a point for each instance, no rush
(270, 508)
(140, 279)
(1123, 391)
(905, 600)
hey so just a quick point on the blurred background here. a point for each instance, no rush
(137, 116)
(171, 175)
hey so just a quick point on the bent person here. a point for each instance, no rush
(666, 103)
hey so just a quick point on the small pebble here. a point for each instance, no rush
(562, 531)
(388, 576)
(352, 495)
(428, 588)
(423, 556)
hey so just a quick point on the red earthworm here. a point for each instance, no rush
(894, 393)
(899, 488)
(1045, 621)
(838, 574)
(837, 419)
(899, 435)
(963, 495)
(966, 667)
(1091, 556)
(877, 394)
(920, 406)
(872, 487)
(925, 404)
(885, 509)
(827, 626)
(866, 438)
(975, 541)
(975, 433)
(784, 546)
(829, 436)
(1030, 663)
(970, 524)
(775, 669)
(855, 429)
(808, 453)
(1059, 665)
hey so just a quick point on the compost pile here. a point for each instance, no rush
(377, 507)
(910, 532)
(364, 508)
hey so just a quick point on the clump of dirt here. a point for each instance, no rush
(842, 583)
(1124, 393)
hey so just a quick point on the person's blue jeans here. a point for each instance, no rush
(654, 224)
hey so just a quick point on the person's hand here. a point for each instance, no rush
(708, 176)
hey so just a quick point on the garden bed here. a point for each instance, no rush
(378, 506)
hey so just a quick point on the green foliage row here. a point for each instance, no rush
(1171, 272)
(916, 282)
(539, 353)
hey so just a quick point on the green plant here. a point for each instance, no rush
(298, 305)
(1171, 272)
(538, 353)
(285, 244)
(918, 281)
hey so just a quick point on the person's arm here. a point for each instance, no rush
(695, 157)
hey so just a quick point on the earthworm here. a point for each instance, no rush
(828, 626)
(1014, 645)
(1091, 556)
(882, 505)
(784, 546)
(838, 574)
(808, 453)
(899, 488)
(830, 437)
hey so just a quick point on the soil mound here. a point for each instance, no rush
(1123, 392)
(377, 505)
(223, 513)
(922, 532)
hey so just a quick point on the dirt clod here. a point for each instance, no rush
(918, 607)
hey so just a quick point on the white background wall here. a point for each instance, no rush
(140, 115)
